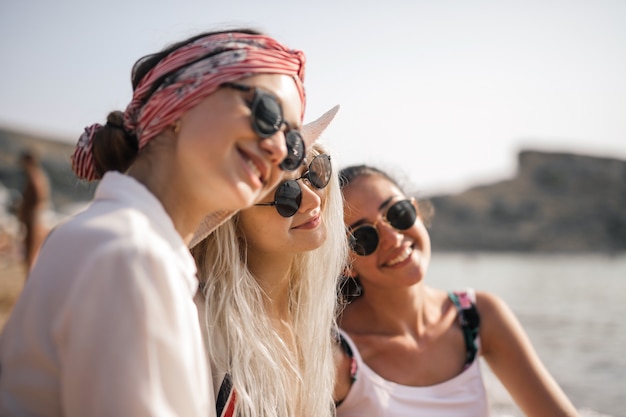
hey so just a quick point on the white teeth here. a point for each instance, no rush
(254, 168)
(403, 256)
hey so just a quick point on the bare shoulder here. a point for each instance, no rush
(498, 323)
(512, 358)
(489, 303)
(494, 308)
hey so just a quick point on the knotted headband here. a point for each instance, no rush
(186, 76)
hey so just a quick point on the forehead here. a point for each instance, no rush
(366, 193)
(371, 186)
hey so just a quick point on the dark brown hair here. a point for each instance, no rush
(114, 149)
(350, 287)
(348, 174)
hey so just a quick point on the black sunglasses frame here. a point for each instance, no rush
(288, 195)
(296, 150)
(364, 238)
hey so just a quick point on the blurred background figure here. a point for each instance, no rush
(33, 205)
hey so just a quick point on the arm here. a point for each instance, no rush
(512, 358)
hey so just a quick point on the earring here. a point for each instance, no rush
(176, 127)
(350, 288)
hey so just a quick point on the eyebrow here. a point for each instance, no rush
(380, 208)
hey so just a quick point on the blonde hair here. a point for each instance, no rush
(269, 379)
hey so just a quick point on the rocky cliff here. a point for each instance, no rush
(558, 202)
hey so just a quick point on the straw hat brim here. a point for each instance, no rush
(310, 133)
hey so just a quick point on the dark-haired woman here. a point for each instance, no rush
(410, 349)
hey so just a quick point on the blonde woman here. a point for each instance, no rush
(270, 277)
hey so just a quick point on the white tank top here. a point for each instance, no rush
(373, 396)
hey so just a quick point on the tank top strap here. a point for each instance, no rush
(469, 321)
(348, 350)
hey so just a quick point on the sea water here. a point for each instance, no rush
(573, 308)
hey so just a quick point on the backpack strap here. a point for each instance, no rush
(469, 320)
(226, 398)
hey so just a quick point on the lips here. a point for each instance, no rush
(401, 257)
(256, 166)
(312, 223)
(255, 170)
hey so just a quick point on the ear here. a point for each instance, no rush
(176, 127)
(348, 272)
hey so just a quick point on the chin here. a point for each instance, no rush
(243, 197)
(311, 246)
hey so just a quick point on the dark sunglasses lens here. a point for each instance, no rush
(267, 115)
(320, 170)
(402, 215)
(364, 240)
(287, 198)
(295, 151)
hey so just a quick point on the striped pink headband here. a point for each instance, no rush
(188, 75)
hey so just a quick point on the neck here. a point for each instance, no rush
(167, 186)
(273, 273)
(392, 311)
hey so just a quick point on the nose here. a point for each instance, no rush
(274, 147)
(310, 199)
(388, 236)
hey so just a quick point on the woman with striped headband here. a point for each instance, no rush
(106, 324)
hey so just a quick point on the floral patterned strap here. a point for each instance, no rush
(469, 320)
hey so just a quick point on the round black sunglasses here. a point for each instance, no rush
(267, 119)
(288, 195)
(401, 215)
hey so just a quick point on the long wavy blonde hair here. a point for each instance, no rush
(269, 378)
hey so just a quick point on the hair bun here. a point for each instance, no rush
(82, 158)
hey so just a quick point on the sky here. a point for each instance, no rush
(445, 93)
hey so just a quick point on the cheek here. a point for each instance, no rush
(261, 226)
(362, 264)
(423, 236)
(209, 127)
(206, 170)
(268, 188)
(205, 142)
(322, 194)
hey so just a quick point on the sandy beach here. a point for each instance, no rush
(12, 276)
